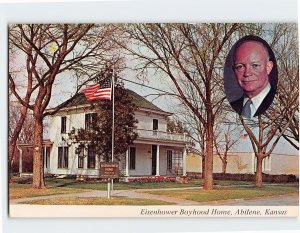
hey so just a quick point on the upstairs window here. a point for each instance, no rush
(63, 128)
(155, 124)
(90, 120)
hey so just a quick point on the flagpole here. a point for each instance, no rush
(113, 123)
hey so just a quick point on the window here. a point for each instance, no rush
(81, 158)
(132, 158)
(90, 120)
(63, 128)
(155, 127)
(46, 157)
(155, 124)
(91, 163)
(169, 159)
(63, 157)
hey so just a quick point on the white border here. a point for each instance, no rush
(134, 11)
(158, 211)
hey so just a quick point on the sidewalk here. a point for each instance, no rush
(282, 200)
(137, 193)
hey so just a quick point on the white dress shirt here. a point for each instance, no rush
(257, 100)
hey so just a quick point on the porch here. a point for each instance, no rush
(160, 135)
(154, 160)
(22, 148)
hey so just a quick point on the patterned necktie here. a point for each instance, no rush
(246, 112)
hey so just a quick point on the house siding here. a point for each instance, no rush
(145, 121)
(284, 164)
(243, 163)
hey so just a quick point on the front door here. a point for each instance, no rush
(154, 152)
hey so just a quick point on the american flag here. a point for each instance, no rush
(98, 91)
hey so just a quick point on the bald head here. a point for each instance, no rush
(252, 67)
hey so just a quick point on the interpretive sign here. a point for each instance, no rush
(109, 170)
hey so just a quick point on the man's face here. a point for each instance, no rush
(252, 68)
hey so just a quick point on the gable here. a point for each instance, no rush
(80, 101)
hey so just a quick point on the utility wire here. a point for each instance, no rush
(156, 89)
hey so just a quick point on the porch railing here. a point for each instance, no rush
(155, 134)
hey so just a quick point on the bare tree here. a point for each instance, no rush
(282, 116)
(196, 132)
(285, 46)
(188, 55)
(26, 133)
(49, 51)
(16, 121)
(224, 140)
(264, 144)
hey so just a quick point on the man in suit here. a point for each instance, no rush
(252, 66)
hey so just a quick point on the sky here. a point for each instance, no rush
(62, 92)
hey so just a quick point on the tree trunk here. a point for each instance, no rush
(11, 151)
(38, 166)
(208, 181)
(203, 167)
(258, 175)
(224, 166)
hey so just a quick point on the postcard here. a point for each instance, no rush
(156, 119)
(151, 120)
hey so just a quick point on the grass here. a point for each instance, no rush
(17, 191)
(21, 188)
(117, 186)
(227, 193)
(71, 183)
(98, 201)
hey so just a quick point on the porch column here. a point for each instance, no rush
(184, 162)
(157, 161)
(127, 163)
(20, 161)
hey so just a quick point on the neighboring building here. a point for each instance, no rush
(155, 152)
(243, 162)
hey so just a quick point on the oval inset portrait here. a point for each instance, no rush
(250, 76)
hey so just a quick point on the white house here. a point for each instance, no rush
(155, 152)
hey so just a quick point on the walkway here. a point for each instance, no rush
(283, 200)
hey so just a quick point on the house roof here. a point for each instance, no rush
(138, 100)
(142, 102)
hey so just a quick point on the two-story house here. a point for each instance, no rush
(155, 152)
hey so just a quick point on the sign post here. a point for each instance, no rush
(109, 171)
(108, 189)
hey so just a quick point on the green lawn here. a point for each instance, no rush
(199, 195)
(98, 201)
(21, 188)
(226, 193)
(71, 183)
(17, 191)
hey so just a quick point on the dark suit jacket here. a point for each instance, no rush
(237, 105)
